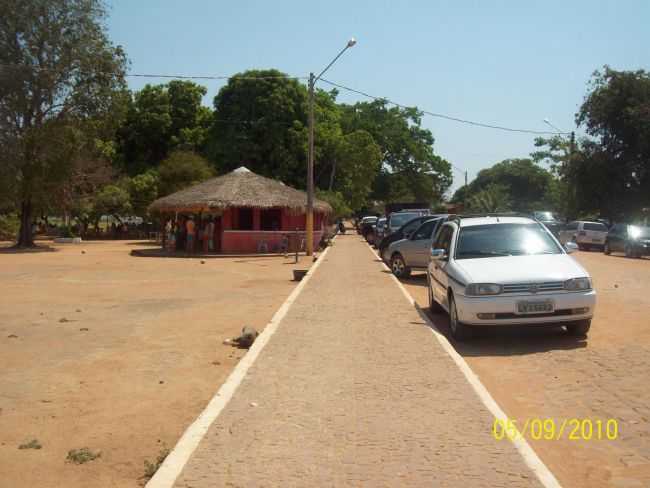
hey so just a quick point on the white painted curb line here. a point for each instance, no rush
(530, 456)
(171, 468)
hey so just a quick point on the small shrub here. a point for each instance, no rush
(9, 225)
(33, 444)
(151, 468)
(83, 455)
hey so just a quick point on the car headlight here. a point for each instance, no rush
(578, 284)
(481, 289)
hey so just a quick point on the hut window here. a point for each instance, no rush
(271, 219)
(244, 219)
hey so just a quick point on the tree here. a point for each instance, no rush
(180, 170)
(409, 168)
(112, 200)
(259, 122)
(143, 190)
(616, 114)
(492, 198)
(337, 201)
(60, 78)
(526, 184)
(160, 119)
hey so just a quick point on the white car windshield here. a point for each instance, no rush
(493, 240)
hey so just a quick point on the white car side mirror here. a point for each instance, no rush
(437, 253)
(570, 247)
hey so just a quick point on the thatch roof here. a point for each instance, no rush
(239, 188)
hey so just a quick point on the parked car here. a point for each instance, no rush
(366, 224)
(379, 230)
(585, 234)
(550, 221)
(633, 240)
(398, 219)
(507, 270)
(415, 251)
(402, 233)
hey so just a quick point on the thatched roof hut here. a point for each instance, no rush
(240, 188)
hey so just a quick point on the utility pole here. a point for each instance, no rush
(309, 224)
(465, 194)
(309, 228)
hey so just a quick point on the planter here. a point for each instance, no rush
(299, 274)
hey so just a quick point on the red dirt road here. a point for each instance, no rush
(117, 353)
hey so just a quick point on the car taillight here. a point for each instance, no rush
(582, 233)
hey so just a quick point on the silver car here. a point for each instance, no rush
(415, 251)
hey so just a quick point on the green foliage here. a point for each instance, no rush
(337, 201)
(143, 190)
(160, 119)
(260, 123)
(616, 114)
(82, 456)
(526, 185)
(410, 171)
(180, 170)
(493, 198)
(9, 225)
(150, 468)
(33, 444)
(112, 200)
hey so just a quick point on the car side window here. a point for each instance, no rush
(443, 241)
(572, 226)
(424, 232)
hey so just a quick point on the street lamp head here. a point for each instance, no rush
(546, 121)
(352, 42)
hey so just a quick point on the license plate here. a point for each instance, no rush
(531, 307)
(595, 240)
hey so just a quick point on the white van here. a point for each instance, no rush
(585, 234)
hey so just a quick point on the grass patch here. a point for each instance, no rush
(150, 468)
(81, 456)
(33, 444)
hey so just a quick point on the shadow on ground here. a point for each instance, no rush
(27, 250)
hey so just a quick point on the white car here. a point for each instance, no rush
(497, 270)
(585, 234)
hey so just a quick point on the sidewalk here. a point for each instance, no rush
(354, 390)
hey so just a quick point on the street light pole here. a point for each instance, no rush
(572, 146)
(309, 229)
(309, 224)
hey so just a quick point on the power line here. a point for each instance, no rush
(442, 116)
(181, 77)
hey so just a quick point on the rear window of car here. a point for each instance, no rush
(594, 226)
(397, 220)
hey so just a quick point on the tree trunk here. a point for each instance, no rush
(332, 174)
(25, 237)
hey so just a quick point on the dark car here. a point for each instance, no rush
(550, 221)
(633, 240)
(403, 233)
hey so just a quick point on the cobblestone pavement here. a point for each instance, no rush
(354, 390)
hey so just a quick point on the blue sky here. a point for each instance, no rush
(509, 63)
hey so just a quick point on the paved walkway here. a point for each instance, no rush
(354, 390)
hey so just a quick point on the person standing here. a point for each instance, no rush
(190, 228)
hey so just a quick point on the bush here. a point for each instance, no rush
(9, 226)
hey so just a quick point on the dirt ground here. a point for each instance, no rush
(116, 353)
(544, 373)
